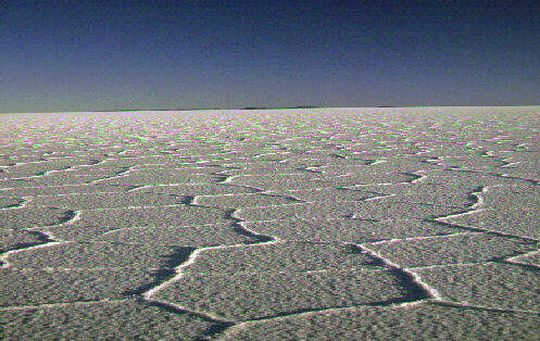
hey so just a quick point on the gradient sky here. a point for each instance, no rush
(107, 55)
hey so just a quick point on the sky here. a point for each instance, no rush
(112, 55)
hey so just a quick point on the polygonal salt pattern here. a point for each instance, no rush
(354, 223)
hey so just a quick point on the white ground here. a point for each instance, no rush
(286, 224)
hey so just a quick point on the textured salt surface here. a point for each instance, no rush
(306, 224)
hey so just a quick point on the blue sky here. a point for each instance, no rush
(107, 55)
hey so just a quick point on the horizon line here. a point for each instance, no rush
(261, 108)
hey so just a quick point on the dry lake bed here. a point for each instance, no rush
(356, 223)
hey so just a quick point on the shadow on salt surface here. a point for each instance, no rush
(11, 202)
(20, 239)
(166, 270)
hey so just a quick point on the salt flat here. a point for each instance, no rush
(353, 223)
